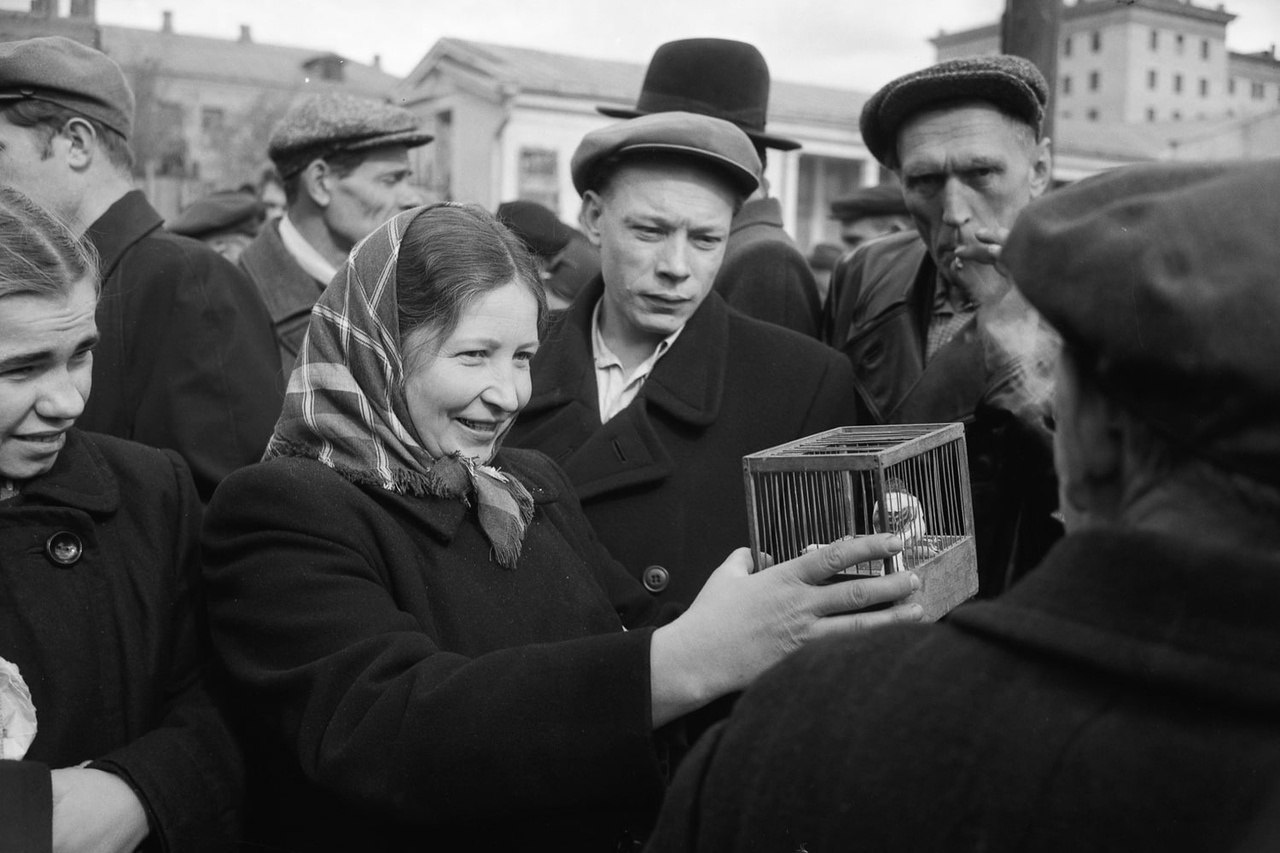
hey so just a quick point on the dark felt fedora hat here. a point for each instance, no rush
(720, 78)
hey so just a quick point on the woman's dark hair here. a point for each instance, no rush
(451, 255)
(39, 255)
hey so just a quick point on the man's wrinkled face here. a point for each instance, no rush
(967, 168)
(661, 228)
(369, 195)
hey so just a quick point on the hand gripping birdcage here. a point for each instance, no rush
(911, 480)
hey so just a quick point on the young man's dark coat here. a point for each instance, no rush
(661, 482)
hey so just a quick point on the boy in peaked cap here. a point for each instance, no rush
(964, 139)
(650, 390)
(344, 162)
(186, 360)
(1126, 694)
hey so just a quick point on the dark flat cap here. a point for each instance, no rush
(882, 200)
(1163, 278)
(539, 228)
(714, 77)
(228, 210)
(320, 126)
(715, 142)
(67, 73)
(1010, 83)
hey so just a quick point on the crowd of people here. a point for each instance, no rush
(334, 520)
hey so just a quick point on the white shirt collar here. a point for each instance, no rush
(307, 256)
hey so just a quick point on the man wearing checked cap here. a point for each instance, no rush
(344, 163)
(652, 389)
(1125, 695)
(922, 315)
(186, 358)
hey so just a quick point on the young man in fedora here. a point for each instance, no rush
(764, 274)
(650, 390)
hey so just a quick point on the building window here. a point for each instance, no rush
(1179, 42)
(1204, 87)
(1204, 48)
(1066, 84)
(538, 177)
(1095, 81)
(1093, 115)
(1151, 113)
(1257, 91)
(1177, 82)
(1095, 41)
(211, 120)
(1231, 86)
(1151, 79)
(1177, 115)
(1155, 39)
(821, 180)
(1066, 46)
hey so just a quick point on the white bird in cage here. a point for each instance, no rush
(904, 517)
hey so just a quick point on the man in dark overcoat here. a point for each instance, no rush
(186, 358)
(652, 389)
(923, 317)
(1125, 695)
(764, 273)
(344, 164)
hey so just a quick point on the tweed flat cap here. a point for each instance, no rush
(228, 210)
(60, 71)
(539, 228)
(320, 126)
(720, 144)
(1012, 84)
(1163, 277)
(882, 200)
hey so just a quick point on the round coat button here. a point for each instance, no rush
(655, 578)
(64, 548)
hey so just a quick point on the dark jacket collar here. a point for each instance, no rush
(124, 223)
(687, 383)
(80, 479)
(285, 286)
(1156, 608)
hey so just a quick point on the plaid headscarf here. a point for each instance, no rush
(345, 402)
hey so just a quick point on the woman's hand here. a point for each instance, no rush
(743, 623)
(94, 810)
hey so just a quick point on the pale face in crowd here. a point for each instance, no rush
(46, 362)
(661, 229)
(369, 195)
(968, 168)
(464, 392)
(273, 201)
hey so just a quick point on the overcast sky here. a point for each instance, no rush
(857, 44)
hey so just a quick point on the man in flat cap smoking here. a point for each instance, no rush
(921, 315)
(651, 389)
(344, 163)
(1125, 695)
(186, 359)
(764, 274)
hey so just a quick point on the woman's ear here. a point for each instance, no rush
(1089, 440)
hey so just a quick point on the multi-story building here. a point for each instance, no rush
(1145, 61)
(206, 106)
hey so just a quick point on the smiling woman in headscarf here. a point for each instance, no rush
(430, 645)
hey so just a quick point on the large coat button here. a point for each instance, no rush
(655, 578)
(64, 548)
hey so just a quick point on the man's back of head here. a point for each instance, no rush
(66, 115)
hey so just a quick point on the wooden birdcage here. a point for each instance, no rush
(911, 480)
